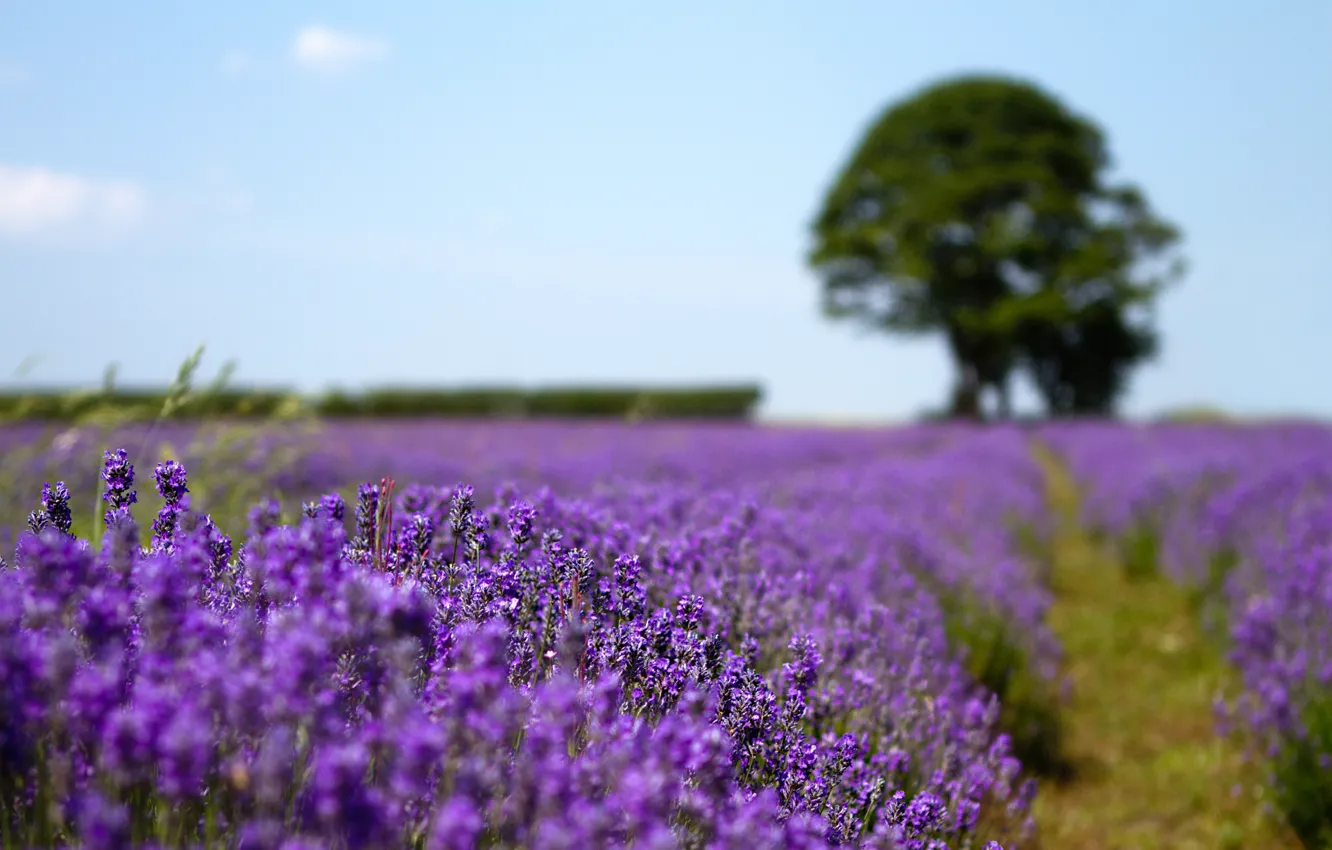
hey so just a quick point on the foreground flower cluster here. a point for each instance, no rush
(648, 664)
(1244, 516)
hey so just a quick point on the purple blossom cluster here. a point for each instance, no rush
(1244, 516)
(721, 656)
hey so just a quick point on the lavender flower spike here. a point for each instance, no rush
(55, 503)
(171, 484)
(118, 473)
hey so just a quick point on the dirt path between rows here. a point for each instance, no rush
(1149, 768)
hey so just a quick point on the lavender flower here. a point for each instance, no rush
(171, 485)
(118, 473)
(333, 507)
(367, 515)
(55, 504)
(263, 517)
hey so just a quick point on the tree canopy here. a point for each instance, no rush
(980, 208)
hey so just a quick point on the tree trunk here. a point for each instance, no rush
(1004, 399)
(966, 395)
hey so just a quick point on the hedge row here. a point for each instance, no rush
(145, 404)
(725, 402)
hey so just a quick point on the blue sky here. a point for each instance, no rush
(353, 193)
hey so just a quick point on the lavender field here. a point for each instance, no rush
(458, 635)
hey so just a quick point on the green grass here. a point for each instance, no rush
(1029, 705)
(1302, 777)
(1149, 770)
(1140, 553)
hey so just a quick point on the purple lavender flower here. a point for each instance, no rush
(462, 518)
(55, 504)
(457, 825)
(118, 473)
(171, 484)
(57, 571)
(416, 538)
(803, 671)
(461, 506)
(263, 517)
(367, 515)
(37, 520)
(520, 519)
(171, 481)
(343, 803)
(333, 506)
(103, 824)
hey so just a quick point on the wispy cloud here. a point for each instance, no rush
(38, 201)
(318, 48)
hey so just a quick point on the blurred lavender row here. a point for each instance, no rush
(654, 636)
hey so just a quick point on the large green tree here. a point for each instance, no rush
(980, 208)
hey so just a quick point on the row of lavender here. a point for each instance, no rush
(701, 637)
(566, 456)
(1243, 515)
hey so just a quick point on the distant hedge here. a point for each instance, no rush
(722, 402)
(66, 406)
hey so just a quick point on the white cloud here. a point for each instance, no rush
(237, 63)
(37, 201)
(322, 49)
